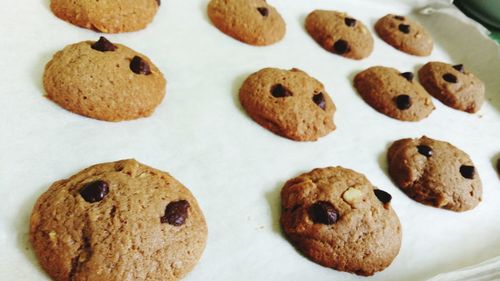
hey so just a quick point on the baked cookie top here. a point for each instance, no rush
(104, 81)
(336, 218)
(289, 103)
(118, 221)
(254, 22)
(340, 34)
(435, 173)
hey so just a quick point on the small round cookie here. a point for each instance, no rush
(107, 16)
(289, 103)
(254, 22)
(336, 218)
(435, 173)
(453, 85)
(340, 34)
(405, 35)
(118, 221)
(104, 81)
(393, 93)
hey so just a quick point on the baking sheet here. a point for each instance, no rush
(234, 167)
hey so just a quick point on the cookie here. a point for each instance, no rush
(336, 218)
(289, 103)
(393, 93)
(435, 173)
(340, 34)
(117, 221)
(453, 85)
(404, 34)
(254, 22)
(107, 16)
(104, 81)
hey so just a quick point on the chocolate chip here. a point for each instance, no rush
(323, 212)
(319, 100)
(103, 45)
(408, 76)
(424, 150)
(341, 47)
(459, 67)
(176, 213)
(279, 91)
(263, 11)
(467, 171)
(448, 77)
(399, 17)
(403, 102)
(382, 196)
(140, 66)
(159, 2)
(95, 191)
(350, 22)
(404, 28)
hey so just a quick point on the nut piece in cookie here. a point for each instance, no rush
(254, 22)
(404, 34)
(340, 34)
(435, 173)
(118, 221)
(393, 93)
(336, 218)
(289, 103)
(453, 85)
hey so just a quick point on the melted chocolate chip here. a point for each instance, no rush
(467, 171)
(323, 212)
(341, 47)
(279, 91)
(350, 22)
(140, 66)
(382, 196)
(407, 75)
(459, 67)
(159, 2)
(176, 213)
(403, 102)
(319, 100)
(95, 191)
(424, 150)
(448, 77)
(263, 11)
(103, 45)
(404, 28)
(399, 17)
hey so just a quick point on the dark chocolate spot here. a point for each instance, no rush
(383, 196)
(459, 67)
(467, 171)
(103, 45)
(140, 66)
(263, 11)
(323, 212)
(95, 191)
(279, 91)
(403, 102)
(408, 76)
(404, 28)
(448, 77)
(319, 100)
(159, 2)
(176, 213)
(350, 22)
(341, 47)
(399, 17)
(424, 150)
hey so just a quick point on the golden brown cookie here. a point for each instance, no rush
(289, 103)
(404, 34)
(453, 85)
(393, 93)
(336, 218)
(340, 34)
(107, 16)
(435, 173)
(254, 22)
(120, 221)
(104, 81)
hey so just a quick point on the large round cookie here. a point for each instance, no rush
(453, 85)
(340, 34)
(435, 173)
(254, 22)
(289, 103)
(335, 217)
(120, 221)
(104, 81)
(107, 16)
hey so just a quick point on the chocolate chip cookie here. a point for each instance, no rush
(118, 221)
(336, 218)
(289, 103)
(435, 173)
(340, 34)
(393, 93)
(453, 85)
(404, 34)
(254, 22)
(104, 81)
(107, 16)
